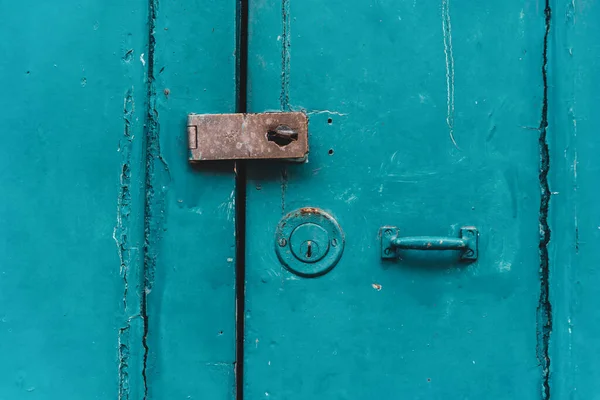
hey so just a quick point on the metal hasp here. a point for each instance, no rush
(277, 135)
(467, 244)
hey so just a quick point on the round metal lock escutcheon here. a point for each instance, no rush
(309, 242)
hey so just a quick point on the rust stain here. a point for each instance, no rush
(309, 210)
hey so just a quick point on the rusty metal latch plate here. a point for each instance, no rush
(278, 135)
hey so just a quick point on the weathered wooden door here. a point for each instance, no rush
(428, 117)
(118, 259)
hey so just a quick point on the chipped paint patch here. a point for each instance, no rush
(504, 266)
(229, 206)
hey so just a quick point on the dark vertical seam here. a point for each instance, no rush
(284, 97)
(242, 57)
(544, 319)
(284, 183)
(240, 198)
(151, 150)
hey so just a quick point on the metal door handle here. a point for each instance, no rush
(467, 243)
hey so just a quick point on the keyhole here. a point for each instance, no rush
(282, 135)
(310, 249)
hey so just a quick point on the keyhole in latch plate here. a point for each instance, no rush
(309, 249)
(282, 135)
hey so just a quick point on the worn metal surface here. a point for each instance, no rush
(466, 243)
(248, 136)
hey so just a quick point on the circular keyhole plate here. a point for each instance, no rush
(309, 242)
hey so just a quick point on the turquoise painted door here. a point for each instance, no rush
(428, 117)
(103, 291)
(574, 254)
(119, 261)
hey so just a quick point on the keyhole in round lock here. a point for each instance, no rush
(309, 242)
(309, 249)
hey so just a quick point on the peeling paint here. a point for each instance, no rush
(229, 206)
(544, 309)
(154, 201)
(123, 346)
(120, 236)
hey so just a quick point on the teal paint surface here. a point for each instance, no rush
(575, 215)
(107, 289)
(190, 266)
(423, 117)
(117, 259)
(71, 168)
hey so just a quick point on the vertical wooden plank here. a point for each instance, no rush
(422, 116)
(575, 215)
(71, 168)
(190, 301)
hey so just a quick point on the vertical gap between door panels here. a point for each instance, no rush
(240, 198)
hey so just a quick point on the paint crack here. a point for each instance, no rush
(447, 35)
(151, 220)
(544, 310)
(120, 235)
